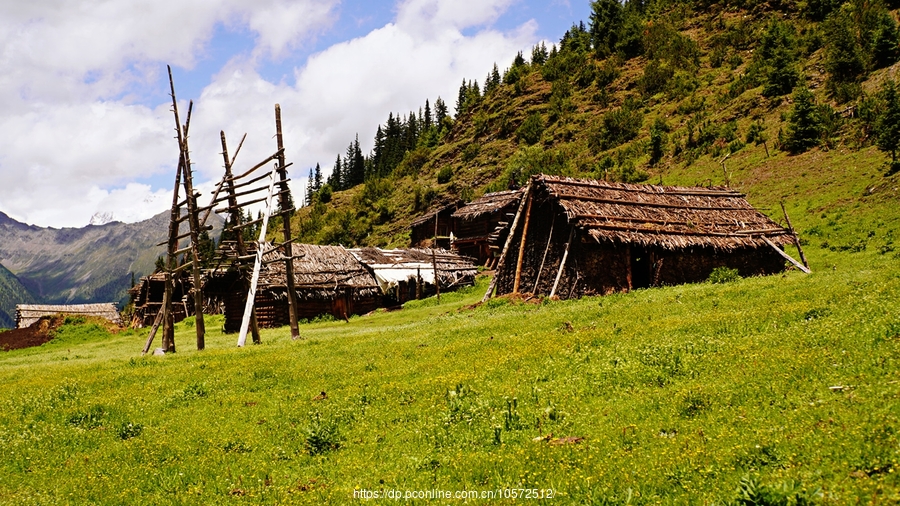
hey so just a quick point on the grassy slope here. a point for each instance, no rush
(674, 407)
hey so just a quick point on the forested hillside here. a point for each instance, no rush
(787, 101)
(12, 292)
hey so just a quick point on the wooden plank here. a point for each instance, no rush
(251, 294)
(786, 256)
(794, 235)
(502, 260)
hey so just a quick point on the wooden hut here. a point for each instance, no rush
(481, 226)
(328, 280)
(26, 314)
(147, 298)
(596, 237)
(436, 225)
(405, 274)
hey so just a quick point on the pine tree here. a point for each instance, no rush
(888, 123)
(606, 23)
(804, 129)
(427, 118)
(317, 178)
(461, 98)
(885, 41)
(334, 180)
(310, 190)
(539, 54)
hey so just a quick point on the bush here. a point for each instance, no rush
(531, 129)
(723, 275)
(445, 175)
(129, 430)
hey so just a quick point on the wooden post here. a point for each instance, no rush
(562, 263)
(236, 219)
(794, 235)
(286, 228)
(437, 279)
(251, 294)
(502, 260)
(193, 216)
(785, 255)
(522, 246)
(544, 259)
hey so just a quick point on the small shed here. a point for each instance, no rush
(436, 225)
(328, 280)
(482, 225)
(405, 274)
(26, 314)
(599, 237)
(147, 298)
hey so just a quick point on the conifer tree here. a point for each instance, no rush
(606, 23)
(888, 123)
(539, 54)
(804, 129)
(461, 98)
(309, 189)
(440, 111)
(317, 178)
(427, 118)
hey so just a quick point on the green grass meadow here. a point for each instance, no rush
(773, 390)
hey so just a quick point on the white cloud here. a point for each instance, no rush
(76, 140)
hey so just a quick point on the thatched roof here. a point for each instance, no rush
(26, 314)
(421, 220)
(488, 203)
(452, 269)
(319, 268)
(671, 217)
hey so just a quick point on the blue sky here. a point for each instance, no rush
(86, 112)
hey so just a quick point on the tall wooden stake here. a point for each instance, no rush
(437, 280)
(193, 217)
(509, 239)
(794, 235)
(286, 227)
(522, 247)
(236, 219)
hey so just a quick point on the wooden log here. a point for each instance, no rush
(258, 165)
(509, 239)
(293, 311)
(562, 263)
(786, 256)
(794, 234)
(544, 259)
(522, 246)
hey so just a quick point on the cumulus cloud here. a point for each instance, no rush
(77, 142)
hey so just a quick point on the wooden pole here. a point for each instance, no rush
(785, 255)
(502, 260)
(251, 294)
(286, 227)
(544, 259)
(562, 263)
(236, 218)
(522, 247)
(437, 280)
(193, 215)
(794, 235)
(168, 339)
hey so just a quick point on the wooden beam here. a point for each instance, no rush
(281, 167)
(562, 263)
(794, 234)
(502, 260)
(251, 294)
(786, 256)
(522, 246)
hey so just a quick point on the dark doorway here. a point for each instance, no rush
(641, 265)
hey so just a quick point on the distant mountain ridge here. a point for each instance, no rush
(83, 265)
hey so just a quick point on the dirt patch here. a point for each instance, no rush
(37, 334)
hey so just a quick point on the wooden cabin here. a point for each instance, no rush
(620, 237)
(481, 226)
(407, 274)
(147, 299)
(328, 280)
(26, 314)
(434, 226)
